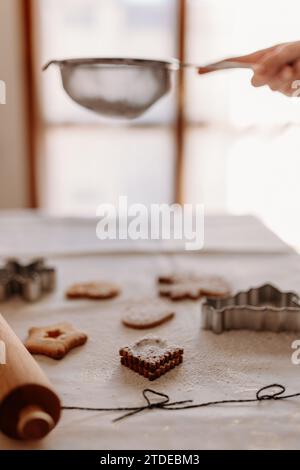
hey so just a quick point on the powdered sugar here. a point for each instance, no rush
(147, 314)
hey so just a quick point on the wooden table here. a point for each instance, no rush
(232, 365)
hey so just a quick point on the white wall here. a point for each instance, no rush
(13, 135)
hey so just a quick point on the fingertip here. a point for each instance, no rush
(273, 87)
(253, 81)
(258, 80)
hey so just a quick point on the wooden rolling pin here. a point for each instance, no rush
(29, 408)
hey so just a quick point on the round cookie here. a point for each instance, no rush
(147, 315)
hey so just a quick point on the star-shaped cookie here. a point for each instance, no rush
(54, 341)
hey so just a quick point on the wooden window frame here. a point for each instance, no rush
(31, 96)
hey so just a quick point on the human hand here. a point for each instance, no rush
(277, 67)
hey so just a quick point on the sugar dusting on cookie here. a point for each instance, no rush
(151, 357)
(147, 314)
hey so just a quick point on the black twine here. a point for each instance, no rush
(165, 404)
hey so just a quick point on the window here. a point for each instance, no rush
(241, 151)
(242, 144)
(83, 159)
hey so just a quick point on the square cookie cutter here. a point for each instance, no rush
(264, 308)
(29, 281)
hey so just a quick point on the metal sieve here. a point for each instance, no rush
(123, 88)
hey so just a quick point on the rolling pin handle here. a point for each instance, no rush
(34, 423)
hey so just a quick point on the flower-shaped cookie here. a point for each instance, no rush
(97, 290)
(190, 286)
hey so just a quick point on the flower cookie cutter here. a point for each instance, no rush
(29, 281)
(263, 308)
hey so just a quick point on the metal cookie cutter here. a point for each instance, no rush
(29, 281)
(262, 308)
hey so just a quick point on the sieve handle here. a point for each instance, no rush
(221, 65)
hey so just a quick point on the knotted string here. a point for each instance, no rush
(162, 404)
(264, 393)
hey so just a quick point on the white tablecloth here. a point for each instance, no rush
(231, 365)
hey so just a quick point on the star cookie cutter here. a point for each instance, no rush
(29, 281)
(264, 308)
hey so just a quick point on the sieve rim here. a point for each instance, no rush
(172, 64)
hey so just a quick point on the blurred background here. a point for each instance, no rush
(213, 140)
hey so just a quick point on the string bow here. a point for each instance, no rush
(161, 404)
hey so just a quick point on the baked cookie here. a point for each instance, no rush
(151, 357)
(190, 286)
(147, 314)
(93, 290)
(54, 341)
